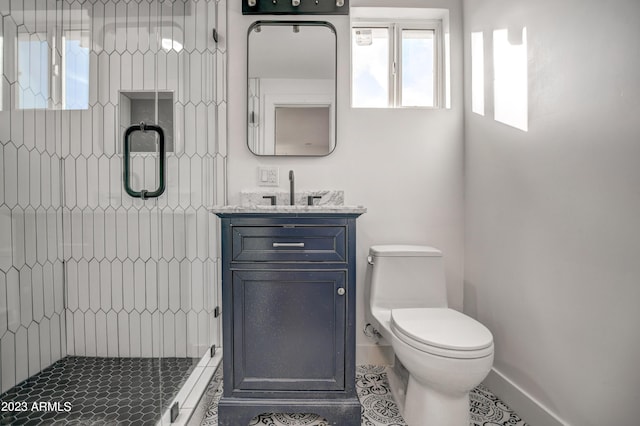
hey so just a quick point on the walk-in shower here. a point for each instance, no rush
(108, 300)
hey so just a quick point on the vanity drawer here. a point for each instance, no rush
(289, 243)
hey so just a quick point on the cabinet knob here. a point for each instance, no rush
(341, 291)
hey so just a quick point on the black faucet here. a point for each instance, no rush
(310, 199)
(292, 198)
(271, 198)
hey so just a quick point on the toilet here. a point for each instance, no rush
(441, 354)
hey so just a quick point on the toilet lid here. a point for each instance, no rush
(442, 327)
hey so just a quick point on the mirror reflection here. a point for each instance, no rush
(291, 88)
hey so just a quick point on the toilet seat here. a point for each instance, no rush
(442, 331)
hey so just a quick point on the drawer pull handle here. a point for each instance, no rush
(276, 245)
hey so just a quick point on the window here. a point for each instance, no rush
(396, 64)
(33, 70)
(417, 76)
(370, 67)
(75, 69)
(53, 73)
(2, 80)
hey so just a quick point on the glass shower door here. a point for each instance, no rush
(105, 306)
(186, 79)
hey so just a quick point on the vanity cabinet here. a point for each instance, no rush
(288, 314)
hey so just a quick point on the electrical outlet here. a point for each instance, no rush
(268, 176)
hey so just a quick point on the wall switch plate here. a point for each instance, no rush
(268, 176)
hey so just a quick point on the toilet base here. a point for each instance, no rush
(425, 407)
(398, 378)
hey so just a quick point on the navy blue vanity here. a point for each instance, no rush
(288, 313)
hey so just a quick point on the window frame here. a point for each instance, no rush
(395, 28)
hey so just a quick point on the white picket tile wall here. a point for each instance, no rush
(32, 308)
(141, 277)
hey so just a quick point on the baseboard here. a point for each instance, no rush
(527, 407)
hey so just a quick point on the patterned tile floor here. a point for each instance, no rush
(100, 391)
(379, 409)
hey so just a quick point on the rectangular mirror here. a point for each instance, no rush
(291, 81)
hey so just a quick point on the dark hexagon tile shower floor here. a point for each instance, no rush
(101, 391)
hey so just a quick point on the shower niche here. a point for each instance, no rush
(150, 107)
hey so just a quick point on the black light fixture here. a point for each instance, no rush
(295, 7)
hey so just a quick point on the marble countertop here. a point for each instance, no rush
(288, 209)
(331, 197)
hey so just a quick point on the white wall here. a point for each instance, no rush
(405, 166)
(552, 215)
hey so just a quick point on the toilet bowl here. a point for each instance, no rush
(445, 352)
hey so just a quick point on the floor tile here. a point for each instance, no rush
(378, 406)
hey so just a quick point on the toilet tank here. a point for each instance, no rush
(405, 276)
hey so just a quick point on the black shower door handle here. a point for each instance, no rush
(144, 194)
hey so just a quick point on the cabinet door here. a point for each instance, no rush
(289, 330)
